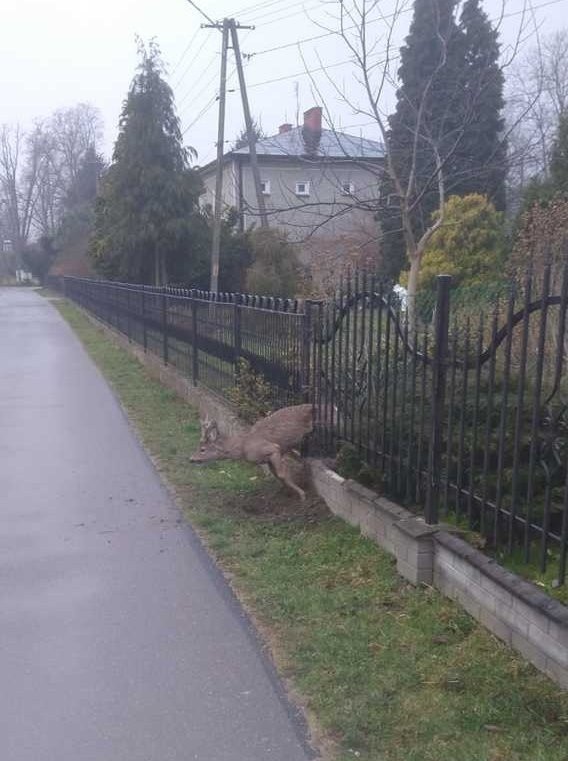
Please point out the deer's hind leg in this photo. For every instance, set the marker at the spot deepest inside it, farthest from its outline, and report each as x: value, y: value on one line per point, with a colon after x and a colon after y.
x: 279, y: 468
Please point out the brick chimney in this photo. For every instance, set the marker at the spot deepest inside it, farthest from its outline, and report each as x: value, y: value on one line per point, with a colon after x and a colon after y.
x: 284, y: 128
x: 312, y: 119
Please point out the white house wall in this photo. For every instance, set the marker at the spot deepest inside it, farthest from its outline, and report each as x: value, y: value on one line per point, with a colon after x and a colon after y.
x: 230, y: 187
x: 326, y: 212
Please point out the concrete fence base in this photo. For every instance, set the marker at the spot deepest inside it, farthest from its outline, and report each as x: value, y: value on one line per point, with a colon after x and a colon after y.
x: 514, y: 610
x: 511, y: 608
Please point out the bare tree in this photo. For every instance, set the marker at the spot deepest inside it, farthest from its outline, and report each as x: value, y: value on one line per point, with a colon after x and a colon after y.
x: 537, y: 96
x: 38, y: 168
x: 74, y: 131
x: 19, y: 173
x: 374, y: 79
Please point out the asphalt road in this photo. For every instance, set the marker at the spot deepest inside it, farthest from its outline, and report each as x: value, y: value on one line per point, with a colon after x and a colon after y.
x: 119, y: 640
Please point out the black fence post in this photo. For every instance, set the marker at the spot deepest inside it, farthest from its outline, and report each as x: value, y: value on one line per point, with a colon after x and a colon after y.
x: 237, y: 339
x: 143, y: 316
x: 128, y: 326
x: 165, y: 326
x: 439, y: 360
x: 194, y: 339
x: 306, y: 353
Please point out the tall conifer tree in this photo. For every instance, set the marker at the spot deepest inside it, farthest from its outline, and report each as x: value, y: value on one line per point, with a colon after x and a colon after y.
x: 143, y: 213
x: 449, y: 108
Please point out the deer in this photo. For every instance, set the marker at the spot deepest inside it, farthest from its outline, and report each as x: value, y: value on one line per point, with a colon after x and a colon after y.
x: 267, y: 442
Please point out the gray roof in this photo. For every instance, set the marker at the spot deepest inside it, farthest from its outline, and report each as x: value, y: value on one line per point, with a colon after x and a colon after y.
x: 331, y: 144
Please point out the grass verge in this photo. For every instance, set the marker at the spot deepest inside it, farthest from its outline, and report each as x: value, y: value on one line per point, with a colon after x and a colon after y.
x: 389, y: 671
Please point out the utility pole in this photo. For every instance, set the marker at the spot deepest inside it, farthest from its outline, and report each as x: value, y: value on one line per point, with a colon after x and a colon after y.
x: 230, y: 27
x: 216, y: 246
x: 249, y: 126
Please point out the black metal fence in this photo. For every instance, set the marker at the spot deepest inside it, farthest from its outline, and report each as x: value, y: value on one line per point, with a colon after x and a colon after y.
x: 460, y: 411
x: 464, y: 415
x: 204, y: 335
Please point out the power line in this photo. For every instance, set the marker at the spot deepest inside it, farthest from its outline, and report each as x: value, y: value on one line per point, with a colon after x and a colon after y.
x: 204, y: 87
x: 209, y: 102
x: 280, y: 9
x: 197, y: 8
x: 303, y: 73
x: 193, y: 60
x: 287, y: 15
x: 202, y: 113
x: 257, y: 6
x: 316, y: 37
x: 185, y: 52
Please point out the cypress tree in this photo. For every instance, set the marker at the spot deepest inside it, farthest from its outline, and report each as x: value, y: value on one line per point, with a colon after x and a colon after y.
x: 143, y: 213
x: 480, y: 163
x: 430, y: 80
x: 451, y: 71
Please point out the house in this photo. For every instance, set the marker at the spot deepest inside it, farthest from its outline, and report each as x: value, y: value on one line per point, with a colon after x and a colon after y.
x: 315, y: 184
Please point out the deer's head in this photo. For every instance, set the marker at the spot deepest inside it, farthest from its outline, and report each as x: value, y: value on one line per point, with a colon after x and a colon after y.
x: 211, y: 445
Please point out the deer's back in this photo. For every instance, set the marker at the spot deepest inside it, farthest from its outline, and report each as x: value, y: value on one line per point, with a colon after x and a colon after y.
x: 286, y: 427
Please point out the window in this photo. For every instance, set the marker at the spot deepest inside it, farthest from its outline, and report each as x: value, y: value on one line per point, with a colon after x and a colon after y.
x: 302, y: 188
x: 265, y: 187
x: 347, y: 188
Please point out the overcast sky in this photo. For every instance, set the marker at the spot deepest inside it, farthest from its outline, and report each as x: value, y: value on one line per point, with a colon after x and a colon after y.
x: 59, y: 52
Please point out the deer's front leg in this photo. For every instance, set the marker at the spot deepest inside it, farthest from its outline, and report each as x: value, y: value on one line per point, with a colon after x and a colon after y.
x: 278, y: 466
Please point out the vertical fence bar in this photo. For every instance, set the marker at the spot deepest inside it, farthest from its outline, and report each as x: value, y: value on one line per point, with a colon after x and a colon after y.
x: 394, y: 400
x: 378, y: 428
x: 237, y: 337
x: 488, y: 421
x: 333, y: 421
x: 386, y: 366
x: 475, y: 422
x: 422, y: 424
x: 412, y: 343
x: 355, y: 438
x: 306, y: 353
x: 404, y: 393
x: 194, y: 340
x: 536, y: 410
x: 463, y: 414
x: 348, y: 386
x: 503, y: 420
x: 364, y: 358
x: 439, y: 386
x: 370, y: 359
x: 451, y: 414
x: 165, y: 327
x: 340, y: 374
x: 318, y: 354
x: 519, y: 416
x: 144, y: 327
x: 564, y: 530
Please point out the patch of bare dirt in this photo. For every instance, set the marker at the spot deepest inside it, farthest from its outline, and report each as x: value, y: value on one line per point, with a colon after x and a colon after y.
x: 277, y: 505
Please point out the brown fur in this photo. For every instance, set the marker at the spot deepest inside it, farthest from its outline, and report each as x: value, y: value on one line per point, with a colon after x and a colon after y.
x: 266, y: 442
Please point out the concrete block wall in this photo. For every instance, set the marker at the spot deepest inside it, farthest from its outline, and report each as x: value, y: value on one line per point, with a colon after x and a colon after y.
x: 392, y: 527
x: 513, y: 609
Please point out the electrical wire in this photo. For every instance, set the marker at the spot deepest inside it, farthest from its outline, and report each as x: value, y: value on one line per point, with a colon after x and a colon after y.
x: 201, y: 114
x: 287, y: 45
x: 193, y: 60
x: 208, y: 83
x: 197, y: 8
x: 185, y: 52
